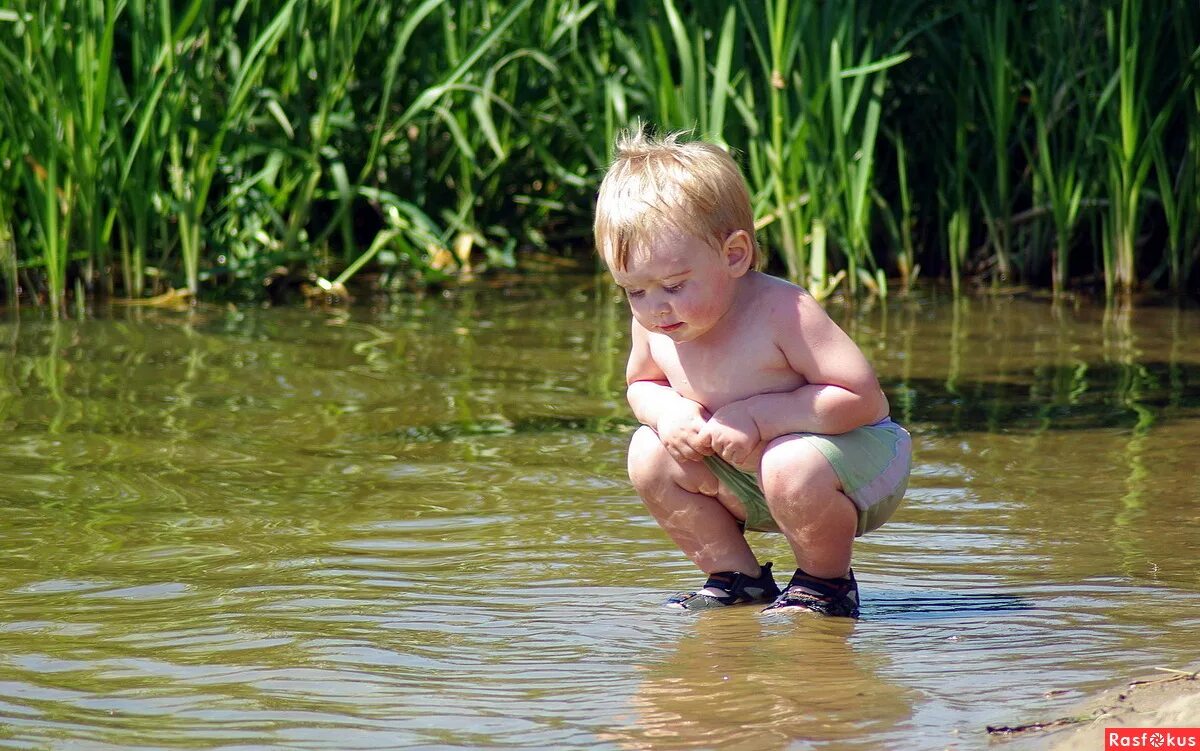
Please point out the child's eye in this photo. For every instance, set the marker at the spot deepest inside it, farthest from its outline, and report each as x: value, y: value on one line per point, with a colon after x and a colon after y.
x: 634, y: 293
x: 673, y: 288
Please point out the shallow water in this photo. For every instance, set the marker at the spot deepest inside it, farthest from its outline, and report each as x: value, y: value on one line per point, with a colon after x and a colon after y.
x: 409, y: 527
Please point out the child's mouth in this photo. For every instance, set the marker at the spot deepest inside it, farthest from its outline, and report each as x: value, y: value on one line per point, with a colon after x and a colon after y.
x: 669, y: 329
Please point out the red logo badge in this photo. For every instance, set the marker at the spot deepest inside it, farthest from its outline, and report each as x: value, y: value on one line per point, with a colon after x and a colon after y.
x: 1116, y: 739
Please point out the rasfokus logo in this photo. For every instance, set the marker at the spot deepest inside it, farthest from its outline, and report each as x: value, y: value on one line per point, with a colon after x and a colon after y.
x: 1151, y: 738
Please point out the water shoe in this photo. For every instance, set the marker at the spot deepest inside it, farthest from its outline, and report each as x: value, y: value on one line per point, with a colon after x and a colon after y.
x: 736, y: 586
x: 804, y: 593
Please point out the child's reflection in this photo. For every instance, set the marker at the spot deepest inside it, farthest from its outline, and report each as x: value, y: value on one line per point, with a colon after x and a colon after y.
x: 740, y: 680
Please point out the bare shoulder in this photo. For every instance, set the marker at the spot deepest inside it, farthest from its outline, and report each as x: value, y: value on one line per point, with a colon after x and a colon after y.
x: 788, y: 307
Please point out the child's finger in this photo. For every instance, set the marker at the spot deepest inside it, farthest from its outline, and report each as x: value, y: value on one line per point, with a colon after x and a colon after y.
x: 676, y: 454
x: 733, y: 453
x: 682, y: 452
x: 729, y: 454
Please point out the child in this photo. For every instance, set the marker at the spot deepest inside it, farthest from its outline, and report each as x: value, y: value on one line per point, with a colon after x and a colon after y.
x: 758, y: 411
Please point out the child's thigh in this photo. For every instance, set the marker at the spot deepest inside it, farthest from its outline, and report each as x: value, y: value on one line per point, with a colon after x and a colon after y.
x: 790, y: 465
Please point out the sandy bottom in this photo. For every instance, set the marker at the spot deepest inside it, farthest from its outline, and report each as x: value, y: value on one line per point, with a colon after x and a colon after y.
x: 1168, y: 698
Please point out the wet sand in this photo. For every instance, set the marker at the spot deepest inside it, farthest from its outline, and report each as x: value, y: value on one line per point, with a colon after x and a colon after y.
x: 1168, y: 697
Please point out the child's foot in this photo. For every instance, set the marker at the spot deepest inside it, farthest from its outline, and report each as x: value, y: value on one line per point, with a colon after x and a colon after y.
x: 728, y: 588
x: 836, y: 597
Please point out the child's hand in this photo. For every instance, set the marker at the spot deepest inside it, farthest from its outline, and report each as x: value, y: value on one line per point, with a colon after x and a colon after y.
x: 681, y: 432
x: 732, y: 433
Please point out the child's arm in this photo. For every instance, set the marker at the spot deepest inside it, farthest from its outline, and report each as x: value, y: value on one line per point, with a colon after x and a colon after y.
x: 841, y: 393
x: 678, y: 420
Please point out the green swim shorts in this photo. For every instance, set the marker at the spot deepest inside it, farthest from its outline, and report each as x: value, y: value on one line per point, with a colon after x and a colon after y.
x: 873, y: 463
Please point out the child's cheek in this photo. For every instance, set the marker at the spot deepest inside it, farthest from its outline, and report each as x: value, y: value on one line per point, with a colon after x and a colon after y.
x: 639, y: 312
x: 691, y: 306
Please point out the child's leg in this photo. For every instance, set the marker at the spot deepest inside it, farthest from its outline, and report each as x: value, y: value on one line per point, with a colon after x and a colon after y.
x: 688, y: 502
x: 806, y: 499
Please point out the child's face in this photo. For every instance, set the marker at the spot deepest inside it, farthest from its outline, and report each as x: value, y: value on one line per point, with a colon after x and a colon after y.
x: 680, y: 286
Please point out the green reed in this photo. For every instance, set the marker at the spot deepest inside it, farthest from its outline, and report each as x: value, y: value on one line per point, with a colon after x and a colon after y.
x: 669, y: 63
x: 900, y: 229
x: 1130, y: 155
x: 1065, y: 119
x: 318, y: 104
x: 49, y: 109
x: 197, y: 150
x: 953, y: 194
x: 8, y: 188
x: 492, y: 124
x: 1179, y: 184
x: 1061, y: 124
x: 995, y: 83
x: 824, y: 82
x: 149, y: 144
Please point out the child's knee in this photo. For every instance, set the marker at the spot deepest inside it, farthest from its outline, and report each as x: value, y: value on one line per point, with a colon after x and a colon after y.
x: 648, y: 458
x: 652, y: 469
x: 792, y: 466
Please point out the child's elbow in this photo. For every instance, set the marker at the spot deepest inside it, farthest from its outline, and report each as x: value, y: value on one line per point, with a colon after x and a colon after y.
x: 876, y: 405
x: 867, y: 406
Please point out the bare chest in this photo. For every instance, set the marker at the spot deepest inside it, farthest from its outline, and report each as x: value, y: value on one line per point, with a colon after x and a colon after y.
x: 715, y: 376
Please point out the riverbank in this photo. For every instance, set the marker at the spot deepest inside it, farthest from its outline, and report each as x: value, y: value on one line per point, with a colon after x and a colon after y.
x: 1168, y: 697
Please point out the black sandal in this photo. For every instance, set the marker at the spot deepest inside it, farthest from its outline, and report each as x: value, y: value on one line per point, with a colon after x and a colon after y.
x: 835, y: 597
x: 737, y: 588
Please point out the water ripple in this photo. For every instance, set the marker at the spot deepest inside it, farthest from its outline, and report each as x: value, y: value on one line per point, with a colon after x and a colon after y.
x: 354, y: 530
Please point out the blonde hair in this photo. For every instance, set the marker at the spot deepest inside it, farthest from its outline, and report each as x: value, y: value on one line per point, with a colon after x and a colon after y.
x: 653, y: 185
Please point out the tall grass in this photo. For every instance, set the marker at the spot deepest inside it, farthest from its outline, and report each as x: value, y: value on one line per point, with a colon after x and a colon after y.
x: 823, y: 81
x: 215, y: 147
x: 1130, y: 147
x: 9, y: 185
x: 1057, y: 114
x: 988, y: 29
x: 1061, y: 124
x: 50, y: 111
x: 1179, y: 183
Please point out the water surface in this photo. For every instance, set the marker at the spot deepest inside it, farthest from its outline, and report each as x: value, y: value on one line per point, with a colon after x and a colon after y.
x: 407, y: 526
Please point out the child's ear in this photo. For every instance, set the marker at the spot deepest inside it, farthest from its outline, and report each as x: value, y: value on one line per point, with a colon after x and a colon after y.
x: 738, y: 250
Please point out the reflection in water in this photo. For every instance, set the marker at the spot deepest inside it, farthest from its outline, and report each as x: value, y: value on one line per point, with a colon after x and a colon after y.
x: 409, y: 526
x: 739, y: 681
